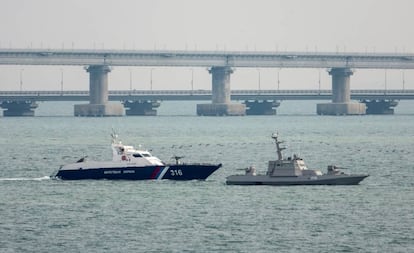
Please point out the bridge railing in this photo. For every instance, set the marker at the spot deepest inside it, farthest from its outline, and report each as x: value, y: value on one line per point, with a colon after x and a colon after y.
x: 383, y: 91
x: 44, y: 93
x: 159, y: 92
x: 282, y: 92
x: 202, y: 92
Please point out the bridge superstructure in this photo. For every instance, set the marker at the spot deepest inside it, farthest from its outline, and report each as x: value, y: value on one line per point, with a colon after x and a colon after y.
x: 247, y: 96
x: 221, y: 65
x: 199, y: 95
x: 237, y: 59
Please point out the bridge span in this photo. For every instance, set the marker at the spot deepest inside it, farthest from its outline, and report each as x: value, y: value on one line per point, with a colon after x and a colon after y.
x: 258, y: 101
x: 179, y: 58
x: 221, y: 65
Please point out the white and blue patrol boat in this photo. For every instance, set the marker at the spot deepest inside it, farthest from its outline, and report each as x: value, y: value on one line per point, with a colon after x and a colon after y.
x: 129, y: 163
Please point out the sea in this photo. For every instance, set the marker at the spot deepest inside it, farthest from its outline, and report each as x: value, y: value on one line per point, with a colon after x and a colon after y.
x: 42, y: 214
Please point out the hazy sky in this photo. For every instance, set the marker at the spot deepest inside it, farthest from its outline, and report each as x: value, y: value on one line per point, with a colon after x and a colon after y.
x: 261, y: 25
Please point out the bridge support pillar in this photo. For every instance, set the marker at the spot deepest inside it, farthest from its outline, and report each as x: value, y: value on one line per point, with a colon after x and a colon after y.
x: 221, y: 103
x: 141, y: 107
x: 261, y: 107
x: 18, y: 108
x: 98, y: 95
x: 380, y: 106
x: 341, y: 96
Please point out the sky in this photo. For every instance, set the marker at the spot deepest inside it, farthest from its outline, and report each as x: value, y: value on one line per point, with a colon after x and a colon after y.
x: 227, y: 25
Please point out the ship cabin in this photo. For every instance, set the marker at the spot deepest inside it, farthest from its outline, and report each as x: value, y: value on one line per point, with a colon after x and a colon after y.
x: 124, y: 153
x: 290, y: 167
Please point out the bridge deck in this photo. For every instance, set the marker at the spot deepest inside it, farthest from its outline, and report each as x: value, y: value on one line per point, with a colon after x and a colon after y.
x: 122, y: 95
x: 173, y: 58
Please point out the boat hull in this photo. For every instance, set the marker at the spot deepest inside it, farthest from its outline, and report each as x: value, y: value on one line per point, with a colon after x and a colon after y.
x: 286, y: 181
x: 171, y: 172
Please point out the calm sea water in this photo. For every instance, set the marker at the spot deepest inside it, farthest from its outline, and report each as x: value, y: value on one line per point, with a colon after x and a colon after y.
x: 38, y: 214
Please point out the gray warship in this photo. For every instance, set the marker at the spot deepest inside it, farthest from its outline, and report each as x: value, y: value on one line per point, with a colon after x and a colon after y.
x: 293, y: 171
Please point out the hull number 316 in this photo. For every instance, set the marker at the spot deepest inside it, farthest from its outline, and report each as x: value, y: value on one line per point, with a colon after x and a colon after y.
x: 176, y: 172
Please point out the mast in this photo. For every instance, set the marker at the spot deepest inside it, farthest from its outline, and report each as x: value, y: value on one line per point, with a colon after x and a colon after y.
x: 278, y: 148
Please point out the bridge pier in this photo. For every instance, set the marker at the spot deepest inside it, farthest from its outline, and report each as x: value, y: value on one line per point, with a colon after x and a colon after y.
x: 264, y: 107
x: 141, y: 107
x: 341, y: 96
x: 98, y: 95
x: 221, y: 103
x: 380, y: 106
x: 18, y: 108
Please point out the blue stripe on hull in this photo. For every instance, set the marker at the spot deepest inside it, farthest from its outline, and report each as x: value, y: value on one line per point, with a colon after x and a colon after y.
x: 129, y: 173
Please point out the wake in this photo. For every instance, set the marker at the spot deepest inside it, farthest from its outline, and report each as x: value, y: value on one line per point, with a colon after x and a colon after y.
x: 26, y: 178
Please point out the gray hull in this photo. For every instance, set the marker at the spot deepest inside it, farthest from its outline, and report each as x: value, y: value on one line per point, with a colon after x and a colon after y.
x: 300, y: 180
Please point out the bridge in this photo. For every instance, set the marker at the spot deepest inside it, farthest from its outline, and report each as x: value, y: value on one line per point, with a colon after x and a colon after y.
x: 199, y: 95
x: 250, y: 97
x: 221, y: 64
x: 237, y: 59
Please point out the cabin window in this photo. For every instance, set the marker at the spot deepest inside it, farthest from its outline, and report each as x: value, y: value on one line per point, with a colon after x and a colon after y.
x: 136, y: 155
x: 146, y: 155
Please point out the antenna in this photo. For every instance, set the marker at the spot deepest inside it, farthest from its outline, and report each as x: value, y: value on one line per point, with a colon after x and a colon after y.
x: 278, y: 148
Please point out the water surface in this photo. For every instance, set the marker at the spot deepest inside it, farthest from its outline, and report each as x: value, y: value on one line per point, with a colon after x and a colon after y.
x: 43, y: 215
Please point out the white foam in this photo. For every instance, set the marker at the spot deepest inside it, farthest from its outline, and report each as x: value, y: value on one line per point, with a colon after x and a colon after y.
x: 25, y: 178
